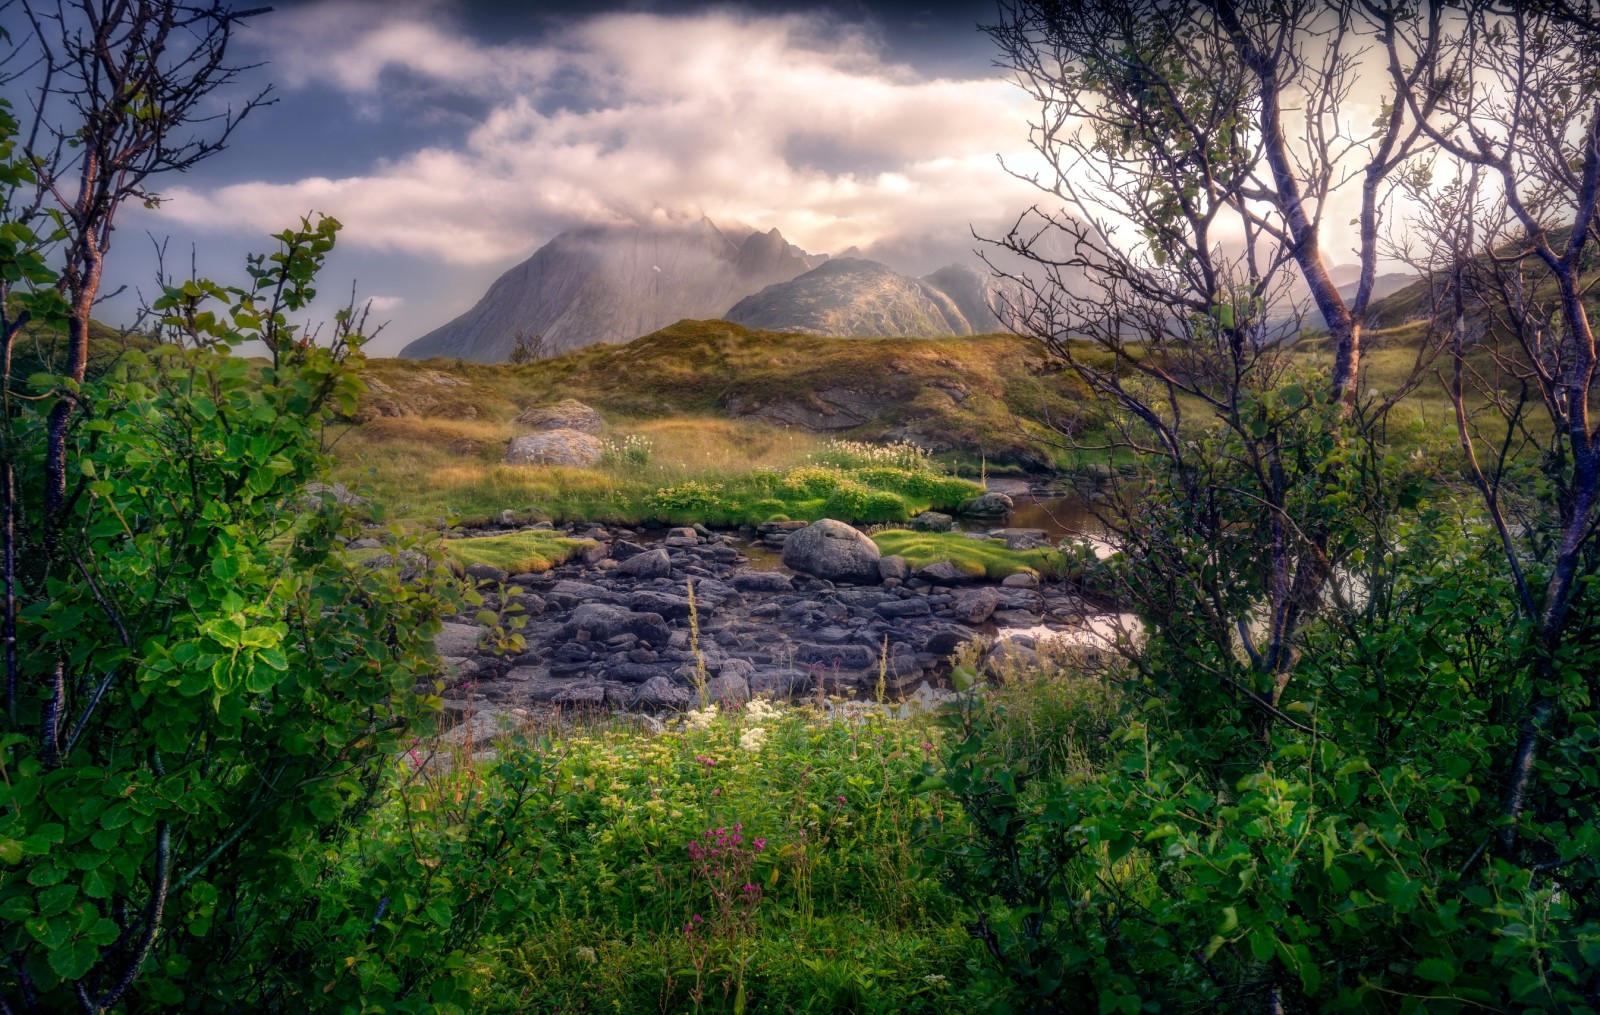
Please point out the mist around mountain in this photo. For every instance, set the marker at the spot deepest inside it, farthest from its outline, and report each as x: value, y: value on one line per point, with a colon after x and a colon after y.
x: 615, y: 283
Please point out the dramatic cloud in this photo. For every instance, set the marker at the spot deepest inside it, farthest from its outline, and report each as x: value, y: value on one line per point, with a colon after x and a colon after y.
x: 794, y: 121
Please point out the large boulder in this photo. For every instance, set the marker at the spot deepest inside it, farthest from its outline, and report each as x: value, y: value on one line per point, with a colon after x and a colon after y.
x: 988, y: 505
x: 650, y: 564
x: 567, y: 414
x: 833, y: 550
x: 554, y: 447
x: 932, y: 521
x: 603, y: 621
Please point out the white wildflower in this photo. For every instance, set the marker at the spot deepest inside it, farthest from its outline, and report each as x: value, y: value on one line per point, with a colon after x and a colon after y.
x: 752, y: 739
x: 700, y: 718
x: 759, y: 710
x: 585, y: 953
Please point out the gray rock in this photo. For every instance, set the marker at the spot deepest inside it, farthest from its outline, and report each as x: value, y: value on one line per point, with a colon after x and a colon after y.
x: 780, y: 682
x: 604, y: 621
x: 988, y: 505
x: 667, y: 605
x: 508, y: 517
x: 932, y: 521
x: 365, y: 543
x: 729, y: 687
x: 567, y: 414
x: 532, y: 605
x: 661, y: 692
x: 554, y: 447
x: 486, y: 572
x: 846, y: 657
x: 1022, y: 539
x: 762, y: 581
x: 622, y: 549
x: 650, y: 564
x: 833, y: 550
x: 942, y: 572
x: 894, y: 609
x: 570, y: 593
x: 315, y: 492
x: 974, y: 606
x: 1020, y: 580
x: 946, y: 640
x: 594, y: 553
x: 457, y: 639
x: 581, y: 694
x: 638, y: 673
x: 893, y: 567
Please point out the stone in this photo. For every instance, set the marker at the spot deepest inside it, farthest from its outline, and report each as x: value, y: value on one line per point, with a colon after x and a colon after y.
x: 661, y: 692
x: 942, y: 572
x: 570, y: 593
x: 893, y: 568
x: 457, y: 639
x: 1021, y: 580
x: 974, y: 606
x: 731, y: 688
x: 833, y: 551
x: 650, y: 564
x: 602, y: 621
x: 554, y: 447
x: 932, y: 521
x: 946, y: 640
x: 896, y: 609
x: 777, y: 681
x: 487, y: 572
x: 365, y: 543
x: 762, y: 581
x: 508, y: 518
x: 532, y: 605
x: 638, y: 673
x: 988, y: 505
x: 567, y: 414
x: 622, y: 549
x: 1022, y: 539
x: 846, y: 657
x: 581, y: 695
x: 312, y: 498
x: 667, y: 605
x: 594, y: 553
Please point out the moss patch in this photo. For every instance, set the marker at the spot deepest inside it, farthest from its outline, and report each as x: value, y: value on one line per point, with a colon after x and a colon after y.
x: 517, y: 553
x: 988, y: 558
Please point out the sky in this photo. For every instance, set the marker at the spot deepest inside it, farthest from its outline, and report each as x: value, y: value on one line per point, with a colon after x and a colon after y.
x: 455, y: 137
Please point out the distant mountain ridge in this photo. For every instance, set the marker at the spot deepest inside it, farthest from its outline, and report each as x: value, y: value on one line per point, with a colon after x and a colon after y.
x: 853, y: 297
x: 613, y: 284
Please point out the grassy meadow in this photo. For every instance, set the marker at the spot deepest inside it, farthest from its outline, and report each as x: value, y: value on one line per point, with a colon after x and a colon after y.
x: 764, y: 858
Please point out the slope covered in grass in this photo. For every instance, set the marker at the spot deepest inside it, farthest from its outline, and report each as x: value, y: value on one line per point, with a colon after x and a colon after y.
x: 979, y: 395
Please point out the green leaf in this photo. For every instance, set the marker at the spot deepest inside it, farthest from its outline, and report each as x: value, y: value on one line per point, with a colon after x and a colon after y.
x: 73, y: 961
x: 1436, y: 970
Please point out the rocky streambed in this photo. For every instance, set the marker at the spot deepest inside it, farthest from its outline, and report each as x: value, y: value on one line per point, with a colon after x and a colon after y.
x: 613, y: 627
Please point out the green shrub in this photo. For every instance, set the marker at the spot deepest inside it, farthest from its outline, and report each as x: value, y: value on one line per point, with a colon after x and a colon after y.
x: 230, y: 683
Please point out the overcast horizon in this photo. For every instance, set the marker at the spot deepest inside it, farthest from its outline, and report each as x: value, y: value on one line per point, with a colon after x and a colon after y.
x: 453, y: 139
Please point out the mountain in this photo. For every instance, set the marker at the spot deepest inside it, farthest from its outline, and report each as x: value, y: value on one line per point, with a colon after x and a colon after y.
x: 613, y: 284
x: 852, y: 297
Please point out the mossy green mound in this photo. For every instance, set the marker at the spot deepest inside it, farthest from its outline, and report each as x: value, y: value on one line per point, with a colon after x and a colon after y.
x: 516, y: 553
x: 980, y: 558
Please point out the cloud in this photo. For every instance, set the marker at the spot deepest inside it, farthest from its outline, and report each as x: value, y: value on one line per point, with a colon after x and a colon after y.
x: 384, y: 304
x: 795, y: 121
